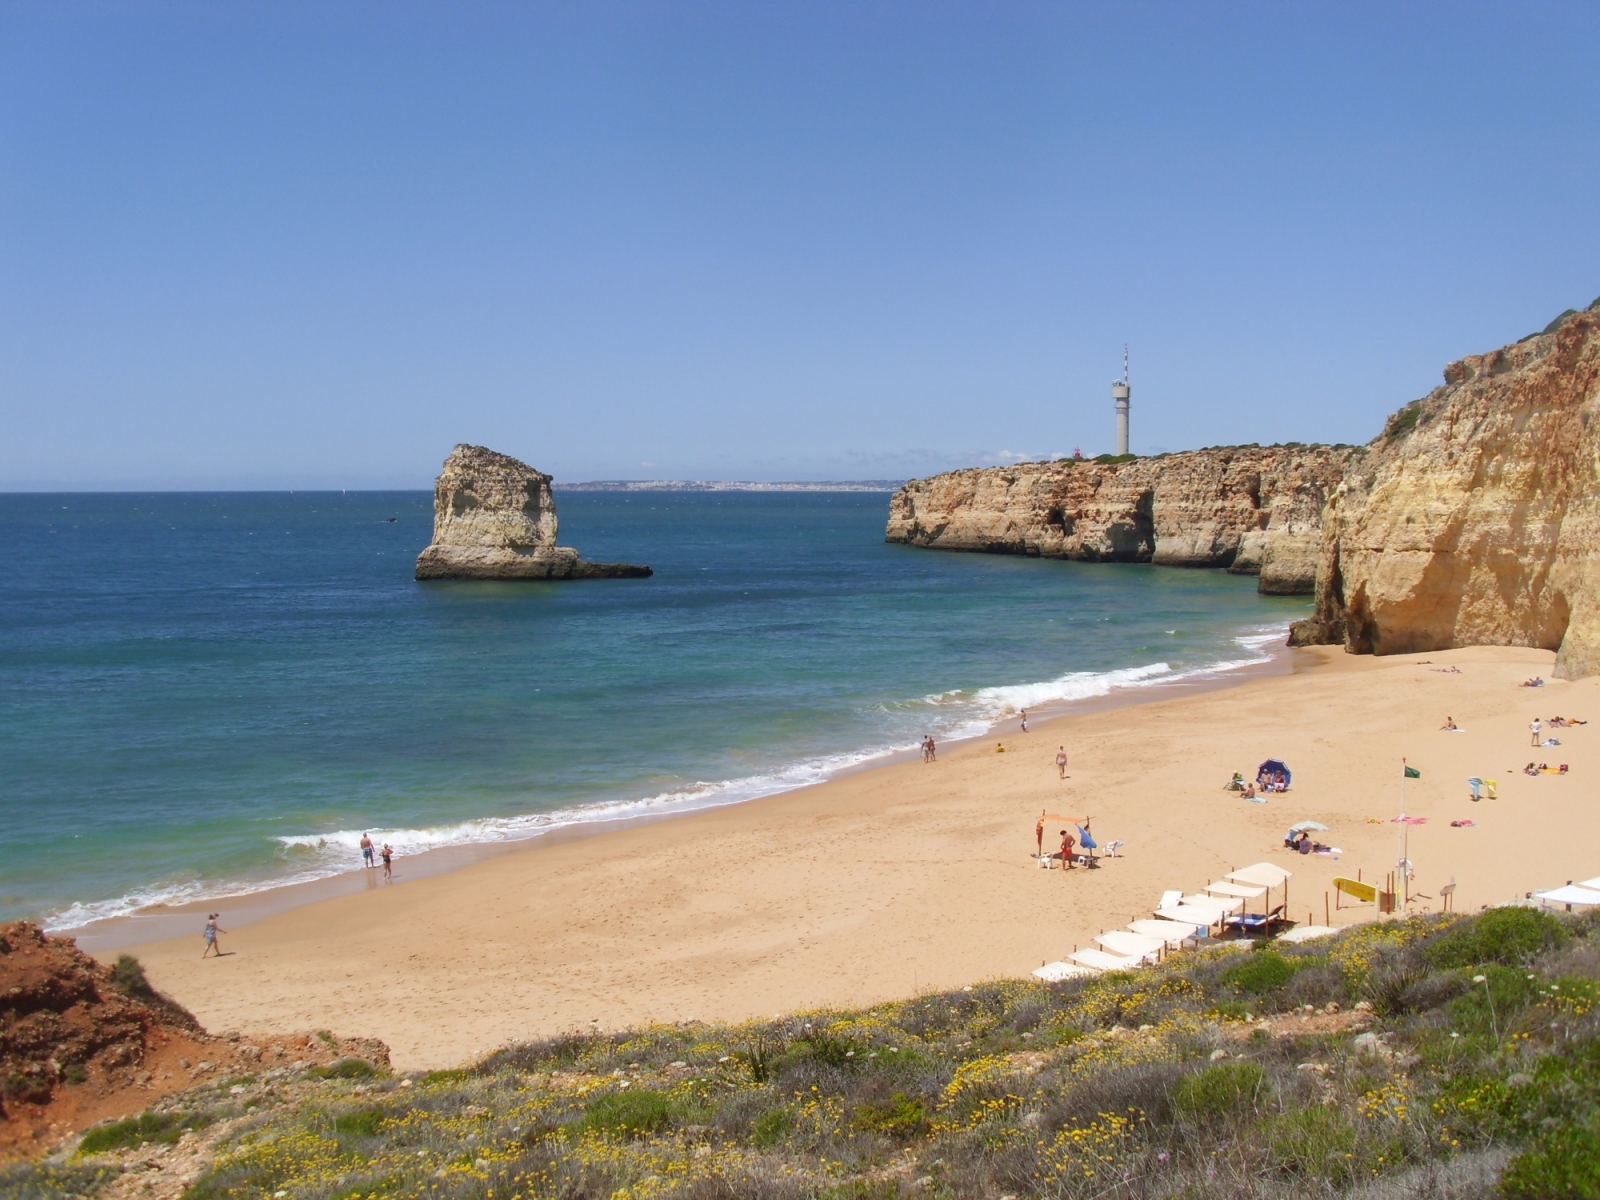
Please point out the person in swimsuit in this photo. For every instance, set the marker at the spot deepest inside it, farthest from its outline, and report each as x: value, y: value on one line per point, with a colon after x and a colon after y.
x: 1061, y: 762
x: 366, y: 851
x: 1533, y: 728
x: 1067, y: 842
x: 388, y: 861
x: 1024, y: 720
x: 210, y: 935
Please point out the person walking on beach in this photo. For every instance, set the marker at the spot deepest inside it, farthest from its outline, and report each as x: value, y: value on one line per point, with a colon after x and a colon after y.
x: 210, y: 935
x: 388, y: 861
x: 933, y: 750
x: 1534, y: 728
x: 1024, y: 720
x: 1061, y: 762
x: 366, y: 851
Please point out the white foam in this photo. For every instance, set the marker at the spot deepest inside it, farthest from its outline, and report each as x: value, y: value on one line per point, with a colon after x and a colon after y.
x: 952, y: 716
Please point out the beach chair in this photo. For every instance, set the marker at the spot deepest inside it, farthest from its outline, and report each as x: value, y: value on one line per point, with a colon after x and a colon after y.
x: 1168, y: 899
x: 1112, y: 848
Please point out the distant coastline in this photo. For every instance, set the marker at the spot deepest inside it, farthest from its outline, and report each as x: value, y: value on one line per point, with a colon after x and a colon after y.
x: 718, y: 485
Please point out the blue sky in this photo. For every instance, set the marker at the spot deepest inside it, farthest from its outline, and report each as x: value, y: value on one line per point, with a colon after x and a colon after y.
x: 283, y: 245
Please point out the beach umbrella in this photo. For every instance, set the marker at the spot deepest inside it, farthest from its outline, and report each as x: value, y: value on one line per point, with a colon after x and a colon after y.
x: 1084, y: 840
x: 1275, y: 765
x: 1307, y: 826
x: 1038, y: 830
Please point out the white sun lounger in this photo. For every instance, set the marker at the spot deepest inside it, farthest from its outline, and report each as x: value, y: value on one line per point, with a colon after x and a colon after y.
x: 1101, y: 961
x: 1135, y: 945
x: 1239, y: 891
x: 1168, y: 899
x: 1268, y: 875
x: 1306, y: 933
x: 1174, y: 933
x: 1057, y: 971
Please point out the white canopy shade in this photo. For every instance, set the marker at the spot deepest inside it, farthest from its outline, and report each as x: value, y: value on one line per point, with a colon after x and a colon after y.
x: 1265, y: 873
x: 1571, y: 894
x: 1225, y: 903
x: 1188, y: 914
x: 1174, y: 933
x: 1590, y: 883
x: 1057, y: 971
x: 1306, y: 932
x: 1137, y: 945
x: 1235, y: 889
x: 1101, y: 961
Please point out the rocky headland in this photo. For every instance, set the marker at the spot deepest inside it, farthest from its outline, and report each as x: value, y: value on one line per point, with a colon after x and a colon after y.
x: 1474, y: 517
x: 494, y: 518
x: 1255, y: 510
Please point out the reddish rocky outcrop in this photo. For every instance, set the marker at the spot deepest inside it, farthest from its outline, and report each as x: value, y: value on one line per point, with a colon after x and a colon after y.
x: 1474, y: 518
x: 495, y: 518
x: 1255, y: 510
x: 81, y: 1041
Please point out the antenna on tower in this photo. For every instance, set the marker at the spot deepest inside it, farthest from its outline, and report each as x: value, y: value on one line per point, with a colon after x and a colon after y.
x: 1124, y: 362
x: 1120, y: 393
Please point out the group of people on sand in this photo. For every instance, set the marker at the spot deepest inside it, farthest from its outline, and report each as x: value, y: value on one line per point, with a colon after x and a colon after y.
x: 929, y: 750
x: 1300, y: 841
x: 387, y: 854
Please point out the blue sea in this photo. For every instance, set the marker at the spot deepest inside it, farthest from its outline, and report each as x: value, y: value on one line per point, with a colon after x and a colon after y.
x: 209, y: 694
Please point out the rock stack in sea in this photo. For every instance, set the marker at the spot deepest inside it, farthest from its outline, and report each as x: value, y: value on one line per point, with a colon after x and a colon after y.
x: 495, y: 518
x: 1255, y: 510
x: 1474, y: 518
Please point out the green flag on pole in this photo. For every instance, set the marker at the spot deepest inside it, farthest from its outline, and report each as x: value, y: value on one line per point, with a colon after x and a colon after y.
x: 1413, y: 773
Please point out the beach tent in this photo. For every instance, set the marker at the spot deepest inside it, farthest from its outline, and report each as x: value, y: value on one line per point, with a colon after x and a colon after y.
x: 1275, y: 766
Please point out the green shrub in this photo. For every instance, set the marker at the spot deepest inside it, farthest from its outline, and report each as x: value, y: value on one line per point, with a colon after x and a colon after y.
x: 127, y: 976
x: 770, y: 1128
x: 1222, y: 1090
x: 627, y: 1114
x: 900, y: 1116
x: 1260, y: 973
x: 345, y: 1068
x: 1501, y: 935
x: 136, y: 1131
x: 46, y: 1181
x: 360, y: 1124
x: 1564, y: 1162
x: 1404, y: 421
x: 1316, y: 1142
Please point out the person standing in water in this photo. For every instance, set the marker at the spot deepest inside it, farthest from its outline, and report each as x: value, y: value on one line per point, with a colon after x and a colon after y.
x: 366, y: 851
x: 1061, y: 762
x: 210, y: 935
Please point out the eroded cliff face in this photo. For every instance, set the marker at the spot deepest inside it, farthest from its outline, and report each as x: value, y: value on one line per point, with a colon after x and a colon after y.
x: 1474, y: 518
x: 495, y: 518
x: 1254, y: 510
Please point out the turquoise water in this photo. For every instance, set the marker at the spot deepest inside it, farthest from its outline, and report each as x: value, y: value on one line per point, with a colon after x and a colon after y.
x: 207, y: 693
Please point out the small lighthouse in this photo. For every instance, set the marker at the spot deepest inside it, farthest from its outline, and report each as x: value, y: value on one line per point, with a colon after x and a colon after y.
x: 1119, y: 395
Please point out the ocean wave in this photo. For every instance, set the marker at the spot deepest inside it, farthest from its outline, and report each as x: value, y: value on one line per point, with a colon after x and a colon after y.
x: 952, y: 716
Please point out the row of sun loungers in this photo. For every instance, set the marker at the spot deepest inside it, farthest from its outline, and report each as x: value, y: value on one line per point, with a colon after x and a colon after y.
x: 1178, y: 920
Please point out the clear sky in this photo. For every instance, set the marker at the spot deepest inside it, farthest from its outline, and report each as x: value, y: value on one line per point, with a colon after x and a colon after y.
x: 298, y: 245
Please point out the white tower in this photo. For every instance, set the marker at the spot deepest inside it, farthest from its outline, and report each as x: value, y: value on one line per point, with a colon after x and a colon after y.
x: 1119, y: 394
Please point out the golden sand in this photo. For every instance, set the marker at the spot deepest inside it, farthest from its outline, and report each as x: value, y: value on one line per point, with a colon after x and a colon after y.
x: 911, y: 876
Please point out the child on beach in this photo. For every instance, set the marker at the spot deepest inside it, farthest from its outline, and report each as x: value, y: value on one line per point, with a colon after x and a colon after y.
x: 210, y: 935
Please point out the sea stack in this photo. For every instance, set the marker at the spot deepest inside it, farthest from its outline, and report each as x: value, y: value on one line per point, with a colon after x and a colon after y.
x: 494, y: 518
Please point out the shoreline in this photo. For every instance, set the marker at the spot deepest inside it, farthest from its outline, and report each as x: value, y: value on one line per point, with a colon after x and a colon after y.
x: 909, y: 876
x: 159, y: 922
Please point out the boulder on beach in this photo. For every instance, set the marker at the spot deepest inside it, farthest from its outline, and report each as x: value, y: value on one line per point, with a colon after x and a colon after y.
x: 495, y: 518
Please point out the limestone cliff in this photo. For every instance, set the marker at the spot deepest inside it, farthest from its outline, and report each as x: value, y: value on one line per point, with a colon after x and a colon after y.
x: 1474, y: 518
x: 494, y: 518
x: 1255, y: 510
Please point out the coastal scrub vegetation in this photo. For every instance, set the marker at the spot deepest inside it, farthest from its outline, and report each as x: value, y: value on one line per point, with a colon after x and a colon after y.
x: 1432, y: 1057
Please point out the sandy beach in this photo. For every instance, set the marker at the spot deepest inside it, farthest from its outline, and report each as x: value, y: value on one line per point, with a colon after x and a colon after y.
x: 913, y: 876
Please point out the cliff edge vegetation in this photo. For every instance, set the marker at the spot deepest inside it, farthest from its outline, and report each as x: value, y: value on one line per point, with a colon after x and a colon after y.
x: 1474, y: 518
x: 1427, y: 1058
